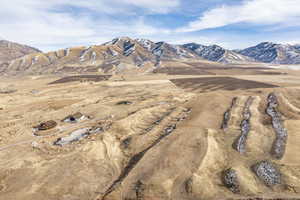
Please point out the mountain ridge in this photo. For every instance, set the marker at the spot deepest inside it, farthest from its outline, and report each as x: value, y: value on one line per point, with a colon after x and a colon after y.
x: 142, y: 55
x: 12, y: 50
x: 269, y: 52
x: 217, y: 53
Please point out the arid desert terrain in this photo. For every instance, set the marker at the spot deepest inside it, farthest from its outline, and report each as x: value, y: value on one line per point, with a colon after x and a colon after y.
x: 209, y: 134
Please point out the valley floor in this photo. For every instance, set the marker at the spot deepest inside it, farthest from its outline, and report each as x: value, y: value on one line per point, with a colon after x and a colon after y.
x: 157, y: 137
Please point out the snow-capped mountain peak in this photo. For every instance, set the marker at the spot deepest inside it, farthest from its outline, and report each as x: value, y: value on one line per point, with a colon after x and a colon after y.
x: 270, y: 52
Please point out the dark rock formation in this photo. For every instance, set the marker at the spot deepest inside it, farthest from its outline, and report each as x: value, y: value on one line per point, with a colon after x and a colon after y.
x: 128, y: 48
x: 279, y: 144
x: 227, y: 114
x: 74, y: 118
x: 157, y: 122
x: 170, y: 129
x: 139, y: 189
x: 230, y: 180
x: 126, y: 142
x: 46, y: 125
x: 124, y: 103
x: 240, y: 143
x: 81, y: 78
x: 188, y: 185
x: 267, y: 173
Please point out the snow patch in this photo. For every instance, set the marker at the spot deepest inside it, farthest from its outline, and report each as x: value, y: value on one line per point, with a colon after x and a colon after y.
x: 145, y: 43
x: 34, y: 60
x: 83, y: 54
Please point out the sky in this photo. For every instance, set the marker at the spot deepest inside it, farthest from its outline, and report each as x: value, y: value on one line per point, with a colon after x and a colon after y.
x: 234, y: 24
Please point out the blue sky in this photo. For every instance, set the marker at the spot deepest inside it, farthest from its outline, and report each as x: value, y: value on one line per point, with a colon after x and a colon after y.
x: 55, y: 24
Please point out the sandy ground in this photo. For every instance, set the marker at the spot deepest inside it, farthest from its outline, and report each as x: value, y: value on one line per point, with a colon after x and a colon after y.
x: 165, y: 144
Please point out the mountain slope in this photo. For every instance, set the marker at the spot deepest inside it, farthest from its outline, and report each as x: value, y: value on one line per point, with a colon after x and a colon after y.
x: 165, y: 51
x: 10, y: 50
x: 120, y: 54
x: 269, y: 52
x: 217, y: 53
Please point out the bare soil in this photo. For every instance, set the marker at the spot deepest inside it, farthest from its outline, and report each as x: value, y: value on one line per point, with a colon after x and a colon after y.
x: 84, y: 78
x: 167, y: 143
x: 219, y: 83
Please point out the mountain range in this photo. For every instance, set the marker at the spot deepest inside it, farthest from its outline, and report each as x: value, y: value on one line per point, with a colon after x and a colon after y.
x: 125, y: 53
x: 269, y: 52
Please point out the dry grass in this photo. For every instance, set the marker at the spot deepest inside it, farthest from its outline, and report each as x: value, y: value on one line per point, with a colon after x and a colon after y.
x: 184, y: 164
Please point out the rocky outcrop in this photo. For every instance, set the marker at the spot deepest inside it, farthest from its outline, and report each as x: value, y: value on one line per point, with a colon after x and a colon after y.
x: 227, y: 114
x: 240, y: 143
x: 267, y: 173
x: 217, y: 53
x: 128, y: 48
x: 45, y: 125
x: 74, y: 118
x: 279, y: 144
x: 124, y: 103
x: 230, y: 180
x: 269, y: 52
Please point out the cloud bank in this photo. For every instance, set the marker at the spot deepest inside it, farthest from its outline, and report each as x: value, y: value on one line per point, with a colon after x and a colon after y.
x: 259, y: 12
x: 60, y: 23
x: 54, y: 24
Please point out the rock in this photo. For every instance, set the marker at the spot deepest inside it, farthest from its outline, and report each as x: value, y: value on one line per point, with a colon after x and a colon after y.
x: 279, y: 144
x: 77, y: 135
x: 35, y: 145
x: 34, y: 91
x: 124, y: 103
x: 7, y: 90
x: 230, y: 180
x: 129, y: 48
x: 139, y: 190
x: 126, y: 142
x: 170, y: 129
x: 46, y: 125
x: 240, y: 143
x: 227, y: 114
x: 188, y: 185
x: 75, y: 118
x: 267, y: 173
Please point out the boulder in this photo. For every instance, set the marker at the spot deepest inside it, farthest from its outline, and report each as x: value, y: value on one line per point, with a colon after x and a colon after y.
x: 46, y: 125
x: 230, y: 180
x: 267, y: 172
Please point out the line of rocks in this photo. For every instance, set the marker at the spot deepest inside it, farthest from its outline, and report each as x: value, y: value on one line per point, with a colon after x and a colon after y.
x: 133, y: 161
x: 157, y: 122
x: 240, y: 143
x: 278, y: 148
x: 227, y: 114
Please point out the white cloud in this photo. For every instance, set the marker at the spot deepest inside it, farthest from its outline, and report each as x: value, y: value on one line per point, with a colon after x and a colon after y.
x: 117, y: 6
x: 160, y: 6
x: 262, y: 12
x: 48, y: 25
